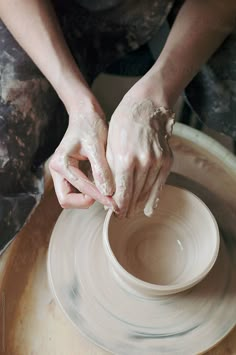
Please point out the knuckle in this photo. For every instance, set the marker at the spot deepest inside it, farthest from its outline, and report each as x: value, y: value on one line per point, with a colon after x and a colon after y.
x: 53, y: 163
x: 159, y: 156
x: 63, y: 202
x: 89, y: 204
x: 146, y: 159
x: 64, y: 206
x: 127, y: 161
x: 57, y: 160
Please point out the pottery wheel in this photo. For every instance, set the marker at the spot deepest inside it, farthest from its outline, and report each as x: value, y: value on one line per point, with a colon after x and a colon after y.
x: 122, y: 323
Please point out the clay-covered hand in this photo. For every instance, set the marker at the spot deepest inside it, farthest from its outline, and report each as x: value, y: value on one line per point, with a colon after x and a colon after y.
x: 85, y: 139
x: 139, y: 154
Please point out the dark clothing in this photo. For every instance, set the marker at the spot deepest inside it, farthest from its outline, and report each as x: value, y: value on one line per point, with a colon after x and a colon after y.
x: 33, y: 120
x: 212, y: 93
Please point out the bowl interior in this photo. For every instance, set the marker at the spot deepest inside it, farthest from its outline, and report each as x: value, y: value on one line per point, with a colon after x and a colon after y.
x: 177, y: 245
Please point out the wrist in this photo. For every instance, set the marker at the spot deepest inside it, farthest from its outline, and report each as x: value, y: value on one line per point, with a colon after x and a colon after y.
x: 84, y: 106
x: 71, y: 86
x: 74, y: 93
x: 152, y: 86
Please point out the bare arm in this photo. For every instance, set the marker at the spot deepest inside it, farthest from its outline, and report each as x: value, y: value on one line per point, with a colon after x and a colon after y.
x: 199, y: 29
x: 34, y: 25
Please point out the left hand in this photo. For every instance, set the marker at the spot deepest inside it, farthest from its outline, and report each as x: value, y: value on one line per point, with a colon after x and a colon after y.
x: 84, y: 140
x: 138, y: 153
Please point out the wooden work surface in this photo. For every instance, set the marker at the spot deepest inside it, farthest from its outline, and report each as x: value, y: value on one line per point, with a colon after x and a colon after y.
x: 31, y: 321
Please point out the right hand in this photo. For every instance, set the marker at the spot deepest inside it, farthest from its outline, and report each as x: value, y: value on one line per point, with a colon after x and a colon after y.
x: 138, y: 152
x: 85, y: 139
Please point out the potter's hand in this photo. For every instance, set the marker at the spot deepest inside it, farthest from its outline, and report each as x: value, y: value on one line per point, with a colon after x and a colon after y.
x: 138, y: 154
x: 84, y: 139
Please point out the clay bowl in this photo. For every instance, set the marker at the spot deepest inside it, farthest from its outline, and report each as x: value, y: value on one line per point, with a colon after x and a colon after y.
x: 167, y: 253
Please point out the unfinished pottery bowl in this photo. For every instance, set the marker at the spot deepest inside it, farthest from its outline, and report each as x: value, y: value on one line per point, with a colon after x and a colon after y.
x: 83, y: 282
x: 167, y: 253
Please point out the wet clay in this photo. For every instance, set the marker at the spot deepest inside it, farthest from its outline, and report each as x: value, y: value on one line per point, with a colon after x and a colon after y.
x: 94, y: 292
x: 138, y: 154
x: 178, y: 244
x: 31, y: 309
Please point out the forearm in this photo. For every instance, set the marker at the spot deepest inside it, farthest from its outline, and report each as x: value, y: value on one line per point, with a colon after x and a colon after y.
x: 34, y: 25
x: 199, y: 29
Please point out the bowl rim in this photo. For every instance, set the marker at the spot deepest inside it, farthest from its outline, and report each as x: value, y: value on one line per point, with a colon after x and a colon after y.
x: 151, y: 287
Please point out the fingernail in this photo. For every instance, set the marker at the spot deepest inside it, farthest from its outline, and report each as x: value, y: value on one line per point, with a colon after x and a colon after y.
x: 110, y: 203
x: 116, y: 209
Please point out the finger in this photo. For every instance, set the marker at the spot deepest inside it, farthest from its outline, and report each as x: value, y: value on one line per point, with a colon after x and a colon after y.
x: 83, y: 184
x: 68, y: 169
x: 164, y: 160
x: 153, y: 199
x: 124, y: 191
x: 149, y: 182
x: 101, y: 171
x: 140, y: 176
x: 66, y: 195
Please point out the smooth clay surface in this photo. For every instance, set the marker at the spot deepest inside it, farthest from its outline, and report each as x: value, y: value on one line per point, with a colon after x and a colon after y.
x: 173, y: 249
x: 32, y: 321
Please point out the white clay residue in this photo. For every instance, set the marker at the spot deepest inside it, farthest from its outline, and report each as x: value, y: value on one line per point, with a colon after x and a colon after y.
x: 140, y: 134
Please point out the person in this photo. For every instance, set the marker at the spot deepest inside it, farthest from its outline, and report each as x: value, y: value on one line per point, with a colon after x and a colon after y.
x: 51, y: 51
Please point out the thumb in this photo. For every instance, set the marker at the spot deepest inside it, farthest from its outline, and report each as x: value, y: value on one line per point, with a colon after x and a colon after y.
x: 101, y: 171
